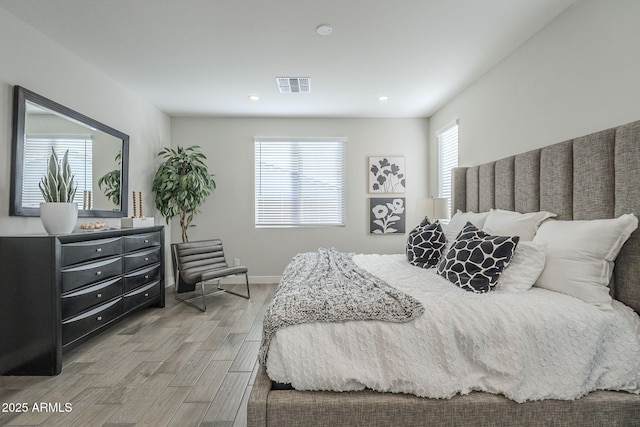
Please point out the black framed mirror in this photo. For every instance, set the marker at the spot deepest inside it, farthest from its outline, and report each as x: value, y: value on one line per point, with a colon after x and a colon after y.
x: 99, y: 157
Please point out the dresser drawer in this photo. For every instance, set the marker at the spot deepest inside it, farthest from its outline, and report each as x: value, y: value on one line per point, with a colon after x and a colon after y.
x: 84, y: 274
x: 140, y: 296
x: 140, y: 259
x: 73, y: 253
x: 91, y: 320
x: 82, y: 299
x: 141, y: 241
x: 140, y: 277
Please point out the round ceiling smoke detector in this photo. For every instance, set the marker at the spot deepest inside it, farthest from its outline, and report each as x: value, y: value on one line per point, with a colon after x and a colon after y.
x: 324, y: 29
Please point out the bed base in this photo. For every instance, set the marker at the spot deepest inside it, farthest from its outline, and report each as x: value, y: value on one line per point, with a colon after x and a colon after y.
x: 367, y: 408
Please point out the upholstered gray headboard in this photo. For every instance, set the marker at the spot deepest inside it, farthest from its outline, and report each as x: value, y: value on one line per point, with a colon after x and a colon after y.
x: 590, y: 177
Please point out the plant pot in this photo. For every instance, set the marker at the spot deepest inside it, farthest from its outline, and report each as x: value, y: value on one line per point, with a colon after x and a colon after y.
x: 58, y: 218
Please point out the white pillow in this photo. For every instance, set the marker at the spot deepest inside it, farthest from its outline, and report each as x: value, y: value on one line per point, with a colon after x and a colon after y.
x: 460, y: 219
x: 581, y: 254
x: 509, y: 223
x: 526, y: 265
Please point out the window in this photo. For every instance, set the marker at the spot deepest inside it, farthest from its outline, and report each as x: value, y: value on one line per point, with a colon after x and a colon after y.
x: 447, y: 159
x: 37, y: 150
x: 300, y: 182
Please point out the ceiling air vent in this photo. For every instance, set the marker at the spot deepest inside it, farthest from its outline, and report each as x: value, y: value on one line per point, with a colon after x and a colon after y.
x: 294, y: 84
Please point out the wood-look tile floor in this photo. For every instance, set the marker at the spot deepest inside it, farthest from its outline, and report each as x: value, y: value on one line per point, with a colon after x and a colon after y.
x: 174, y: 366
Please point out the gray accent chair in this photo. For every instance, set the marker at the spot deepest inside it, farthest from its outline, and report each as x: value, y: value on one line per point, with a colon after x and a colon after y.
x: 195, y: 263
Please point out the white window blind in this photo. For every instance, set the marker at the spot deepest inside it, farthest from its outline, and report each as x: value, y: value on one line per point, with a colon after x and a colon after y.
x: 37, y: 150
x: 299, y: 182
x: 447, y: 160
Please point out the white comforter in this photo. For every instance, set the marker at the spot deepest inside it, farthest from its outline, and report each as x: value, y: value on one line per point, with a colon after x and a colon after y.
x: 529, y: 345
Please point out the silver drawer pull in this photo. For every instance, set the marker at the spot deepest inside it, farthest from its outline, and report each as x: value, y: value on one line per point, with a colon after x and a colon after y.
x: 98, y: 273
x: 99, y: 296
x: 99, y: 318
x: 147, y: 294
x: 146, y: 240
x: 146, y: 258
x: 99, y: 250
x: 146, y: 276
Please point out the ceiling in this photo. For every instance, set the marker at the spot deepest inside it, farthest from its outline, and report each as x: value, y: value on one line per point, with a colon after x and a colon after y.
x: 205, y: 57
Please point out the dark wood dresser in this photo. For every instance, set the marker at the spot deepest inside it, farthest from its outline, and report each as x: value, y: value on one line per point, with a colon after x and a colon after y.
x: 59, y: 291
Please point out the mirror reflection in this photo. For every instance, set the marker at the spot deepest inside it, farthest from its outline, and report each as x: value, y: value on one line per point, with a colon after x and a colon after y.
x: 97, y: 155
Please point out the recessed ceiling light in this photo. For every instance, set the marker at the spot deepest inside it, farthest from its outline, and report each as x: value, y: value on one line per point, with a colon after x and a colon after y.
x: 383, y: 98
x: 254, y: 98
x: 324, y: 29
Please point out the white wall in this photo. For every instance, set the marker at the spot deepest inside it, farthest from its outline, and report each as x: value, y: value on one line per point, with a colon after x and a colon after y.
x: 33, y: 61
x: 228, y: 214
x: 578, y: 75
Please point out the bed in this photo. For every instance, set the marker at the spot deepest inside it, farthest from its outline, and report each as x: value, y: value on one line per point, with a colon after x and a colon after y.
x: 587, y: 178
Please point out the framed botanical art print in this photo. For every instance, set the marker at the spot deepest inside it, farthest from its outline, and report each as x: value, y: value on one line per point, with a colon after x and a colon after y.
x: 386, y: 174
x: 387, y: 215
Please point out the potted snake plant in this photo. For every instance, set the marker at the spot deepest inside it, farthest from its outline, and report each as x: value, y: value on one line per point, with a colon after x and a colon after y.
x: 58, y: 212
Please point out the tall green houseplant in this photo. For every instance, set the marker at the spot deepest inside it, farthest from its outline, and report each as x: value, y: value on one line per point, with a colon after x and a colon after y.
x: 181, y: 185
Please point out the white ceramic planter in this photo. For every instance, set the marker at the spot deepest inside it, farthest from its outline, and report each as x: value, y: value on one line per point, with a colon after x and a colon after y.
x: 58, y: 218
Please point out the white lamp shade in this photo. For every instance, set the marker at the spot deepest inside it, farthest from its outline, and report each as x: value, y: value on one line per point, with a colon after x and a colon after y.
x: 433, y: 208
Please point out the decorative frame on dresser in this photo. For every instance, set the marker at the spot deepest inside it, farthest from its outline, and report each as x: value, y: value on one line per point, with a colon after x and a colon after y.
x: 60, y: 290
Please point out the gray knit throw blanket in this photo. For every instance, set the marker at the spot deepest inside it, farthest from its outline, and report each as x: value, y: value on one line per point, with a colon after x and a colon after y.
x: 327, y: 286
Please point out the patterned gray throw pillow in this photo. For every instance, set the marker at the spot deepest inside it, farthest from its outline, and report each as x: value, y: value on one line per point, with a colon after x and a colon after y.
x: 476, y: 259
x: 425, y: 244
